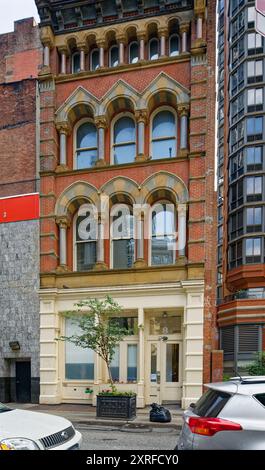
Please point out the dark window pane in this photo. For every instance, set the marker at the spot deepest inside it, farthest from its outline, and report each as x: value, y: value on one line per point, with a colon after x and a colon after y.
x: 211, y: 403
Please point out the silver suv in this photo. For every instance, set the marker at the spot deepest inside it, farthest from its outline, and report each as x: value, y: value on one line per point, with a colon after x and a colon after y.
x: 229, y: 416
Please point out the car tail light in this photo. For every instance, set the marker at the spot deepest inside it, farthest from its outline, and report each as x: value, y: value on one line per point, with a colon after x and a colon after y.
x: 210, y: 426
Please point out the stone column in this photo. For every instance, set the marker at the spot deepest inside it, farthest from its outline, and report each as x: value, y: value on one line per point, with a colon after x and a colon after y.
x: 47, y: 39
x: 141, y: 36
x: 46, y: 55
x: 184, y: 29
x: 121, y: 39
x: 141, y: 118
x: 63, y: 130
x: 82, y: 47
x: 140, y: 387
x: 163, y: 33
x: 200, y: 12
x: 63, y: 223
x: 183, y: 110
x: 63, y: 52
x: 101, y: 46
x: 101, y: 124
x: 139, y: 220
x: 199, y: 27
x: 100, y: 264
x: 182, y: 229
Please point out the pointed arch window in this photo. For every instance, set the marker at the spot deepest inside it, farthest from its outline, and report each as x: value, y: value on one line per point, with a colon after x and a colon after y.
x: 163, y: 228
x: 153, y: 49
x: 174, y: 45
x: 164, y: 138
x: 124, y: 140
x: 86, y: 152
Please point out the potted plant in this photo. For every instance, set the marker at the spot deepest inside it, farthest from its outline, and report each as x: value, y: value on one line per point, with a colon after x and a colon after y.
x: 101, y: 332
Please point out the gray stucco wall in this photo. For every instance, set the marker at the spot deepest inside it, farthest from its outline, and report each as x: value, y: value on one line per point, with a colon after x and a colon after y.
x: 19, y: 303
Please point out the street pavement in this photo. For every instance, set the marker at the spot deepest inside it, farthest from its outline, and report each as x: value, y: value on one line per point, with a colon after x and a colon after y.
x: 119, y: 438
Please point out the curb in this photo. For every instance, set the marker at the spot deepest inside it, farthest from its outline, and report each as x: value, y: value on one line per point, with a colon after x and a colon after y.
x: 129, y: 424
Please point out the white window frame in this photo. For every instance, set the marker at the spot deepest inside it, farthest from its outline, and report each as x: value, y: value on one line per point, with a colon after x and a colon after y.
x: 163, y: 201
x: 157, y: 111
x: 112, y: 47
x: 76, y: 127
x: 149, y: 48
x: 112, y: 143
x: 170, y: 39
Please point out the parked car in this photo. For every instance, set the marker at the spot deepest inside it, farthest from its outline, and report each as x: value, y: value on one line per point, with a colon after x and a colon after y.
x: 27, y: 430
x: 229, y: 416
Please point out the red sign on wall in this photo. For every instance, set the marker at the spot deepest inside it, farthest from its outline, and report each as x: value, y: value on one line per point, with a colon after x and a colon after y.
x: 18, y: 208
x: 260, y: 6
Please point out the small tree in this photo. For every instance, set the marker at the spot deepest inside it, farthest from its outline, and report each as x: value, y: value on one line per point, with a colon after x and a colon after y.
x: 99, y: 328
x: 258, y: 367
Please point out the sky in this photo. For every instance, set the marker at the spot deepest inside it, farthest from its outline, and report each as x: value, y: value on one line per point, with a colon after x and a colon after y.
x: 12, y: 10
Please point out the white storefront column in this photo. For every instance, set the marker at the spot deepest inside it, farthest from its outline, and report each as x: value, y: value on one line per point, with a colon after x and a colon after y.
x: 183, y: 111
x: 182, y: 229
x: 101, y: 124
x: 142, y: 360
x: 141, y: 119
x: 193, y: 342
x: 63, y: 223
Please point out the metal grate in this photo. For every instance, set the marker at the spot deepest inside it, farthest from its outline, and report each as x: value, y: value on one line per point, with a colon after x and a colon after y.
x: 58, y: 438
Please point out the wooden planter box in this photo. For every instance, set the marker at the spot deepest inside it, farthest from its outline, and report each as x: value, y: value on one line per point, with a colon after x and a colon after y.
x: 118, y: 407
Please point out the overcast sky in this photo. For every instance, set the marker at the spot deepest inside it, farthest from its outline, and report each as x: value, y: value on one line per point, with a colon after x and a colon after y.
x: 12, y: 10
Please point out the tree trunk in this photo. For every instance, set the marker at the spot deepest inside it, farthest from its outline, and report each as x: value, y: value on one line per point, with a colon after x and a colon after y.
x: 110, y: 375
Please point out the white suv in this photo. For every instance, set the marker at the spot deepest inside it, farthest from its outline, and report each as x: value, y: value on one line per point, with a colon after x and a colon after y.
x: 27, y: 430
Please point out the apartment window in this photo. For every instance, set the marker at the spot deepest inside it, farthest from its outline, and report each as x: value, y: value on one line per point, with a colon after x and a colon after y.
x: 255, y: 45
x: 236, y: 225
x: 220, y: 213
x: 85, y: 242
x: 153, y: 49
x: 86, y: 152
x: 255, y: 71
x: 236, y: 194
x: 237, y: 136
x: 122, y: 240
x: 134, y: 53
x: 164, y: 135
x: 254, y: 128
x: 238, y: 51
x: 254, y: 188
x: 124, y: 140
x: 254, y: 158
x: 94, y: 59
x: 174, y: 45
x: 255, y: 99
x: 251, y: 17
x: 163, y: 234
x: 237, y: 80
x: 238, y: 25
x: 237, y: 108
x: 236, y: 254
x: 114, y: 56
x: 253, y: 250
x: 76, y: 62
x: 254, y: 219
x: 236, y: 165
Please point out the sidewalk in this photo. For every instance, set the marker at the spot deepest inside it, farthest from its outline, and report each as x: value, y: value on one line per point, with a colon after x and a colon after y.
x: 86, y: 415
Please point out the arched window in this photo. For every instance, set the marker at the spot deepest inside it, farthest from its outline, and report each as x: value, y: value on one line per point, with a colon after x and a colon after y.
x: 86, y: 152
x: 114, y: 56
x: 85, y: 237
x: 76, y: 62
x: 163, y: 233
x: 122, y: 237
x: 164, y: 135
x: 94, y: 59
x: 124, y: 141
x: 153, y: 49
x: 173, y: 45
x: 134, y: 52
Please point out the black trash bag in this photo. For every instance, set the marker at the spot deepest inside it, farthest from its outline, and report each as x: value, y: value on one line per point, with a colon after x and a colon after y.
x: 159, y: 414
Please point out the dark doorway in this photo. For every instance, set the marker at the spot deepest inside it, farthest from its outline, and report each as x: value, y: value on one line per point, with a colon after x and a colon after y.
x: 23, y: 382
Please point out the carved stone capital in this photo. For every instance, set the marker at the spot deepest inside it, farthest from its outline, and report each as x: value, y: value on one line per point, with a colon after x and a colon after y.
x: 101, y: 122
x: 141, y: 35
x: 184, y: 27
x: 101, y: 43
x: 183, y: 109
x: 141, y: 115
x: 63, y: 128
x: 63, y: 221
x: 64, y: 50
x: 121, y: 37
x: 47, y: 36
x: 182, y: 209
x: 163, y: 31
x: 200, y: 8
x: 82, y: 45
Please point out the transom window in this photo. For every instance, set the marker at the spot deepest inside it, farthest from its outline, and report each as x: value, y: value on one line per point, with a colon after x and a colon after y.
x: 163, y: 234
x: 164, y: 135
x: 124, y: 140
x: 86, y: 154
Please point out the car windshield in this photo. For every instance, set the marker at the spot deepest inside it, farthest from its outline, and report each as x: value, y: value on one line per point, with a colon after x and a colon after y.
x: 211, y: 403
x: 4, y: 409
